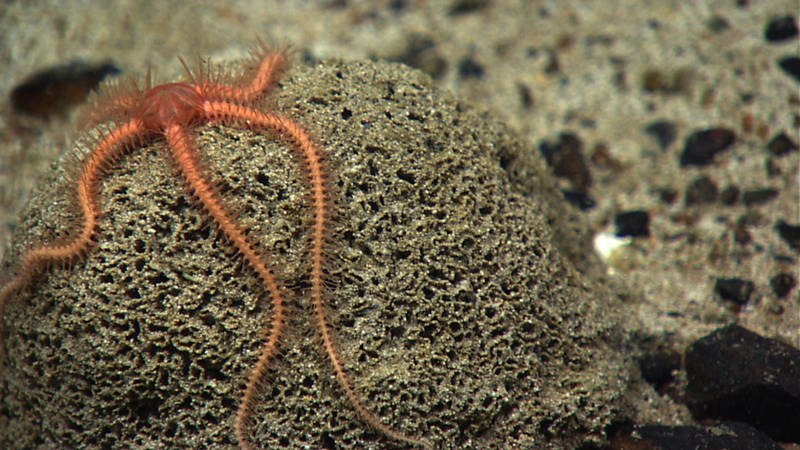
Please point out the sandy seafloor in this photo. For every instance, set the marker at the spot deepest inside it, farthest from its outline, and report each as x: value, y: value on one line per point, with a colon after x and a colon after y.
x: 543, y: 67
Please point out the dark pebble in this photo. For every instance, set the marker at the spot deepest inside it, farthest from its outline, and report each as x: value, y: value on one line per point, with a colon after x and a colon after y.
x: 398, y: 5
x: 55, y: 90
x: 566, y: 158
x: 633, y: 223
x: 735, y: 374
x: 730, y: 195
x: 789, y: 233
x: 663, y: 131
x: 791, y: 65
x: 525, y: 95
x: 717, y: 24
x: 700, y: 191
x: 781, y: 145
x: 468, y: 68
x: 724, y: 435
x: 467, y: 6
x: 654, y: 80
x: 781, y: 29
x: 668, y: 195
x: 782, y: 284
x: 701, y: 146
x: 734, y: 289
x: 660, y: 82
x: 759, y: 196
x: 580, y: 200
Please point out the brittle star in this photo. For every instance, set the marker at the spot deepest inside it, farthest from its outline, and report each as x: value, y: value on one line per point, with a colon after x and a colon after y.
x: 170, y: 111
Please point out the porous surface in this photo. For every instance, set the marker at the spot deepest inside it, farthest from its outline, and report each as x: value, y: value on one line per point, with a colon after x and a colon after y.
x: 457, y: 317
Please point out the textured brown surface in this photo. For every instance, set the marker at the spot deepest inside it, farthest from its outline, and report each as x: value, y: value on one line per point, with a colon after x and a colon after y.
x: 457, y: 318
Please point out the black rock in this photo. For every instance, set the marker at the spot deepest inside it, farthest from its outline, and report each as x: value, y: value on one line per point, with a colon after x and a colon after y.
x: 791, y: 65
x: 718, y: 24
x: 759, y: 196
x: 469, y: 68
x: 782, y: 284
x: 781, y: 145
x: 580, y: 200
x: 667, y: 195
x: 701, y: 146
x: 467, y: 6
x: 734, y: 289
x: 702, y: 190
x: 633, y: 223
x: 735, y: 374
x: 664, y: 131
x: 789, y: 233
x: 724, y: 435
x: 781, y: 29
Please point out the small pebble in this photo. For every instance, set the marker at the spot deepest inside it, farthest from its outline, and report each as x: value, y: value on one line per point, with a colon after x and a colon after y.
x: 781, y: 145
x: 791, y: 65
x: 781, y: 29
x: 703, y: 190
x: 717, y: 24
x: 782, y: 284
x: 657, y: 81
x: 664, y: 131
x: 734, y: 289
x: 702, y: 145
x: 525, y: 95
x: 468, y: 68
x: 633, y: 223
x: 667, y: 195
x: 759, y: 196
x: 459, y: 7
x: 789, y: 233
x: 579, y: 199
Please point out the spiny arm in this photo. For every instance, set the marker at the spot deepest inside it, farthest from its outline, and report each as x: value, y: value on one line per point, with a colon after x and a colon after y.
x: 103, y: 155
x: 311, y: 158
x: 184, y: 153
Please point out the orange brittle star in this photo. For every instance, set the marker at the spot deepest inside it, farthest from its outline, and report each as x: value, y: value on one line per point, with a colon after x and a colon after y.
x: 170, y: 111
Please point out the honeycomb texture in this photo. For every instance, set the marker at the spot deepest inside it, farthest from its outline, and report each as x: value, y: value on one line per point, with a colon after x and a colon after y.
x: 457, y: 318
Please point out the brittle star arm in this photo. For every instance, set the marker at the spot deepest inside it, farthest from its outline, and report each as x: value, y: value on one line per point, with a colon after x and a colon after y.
x: 184, y: 152
x: 266, y: 73
x: 104, y: 155
x: 310, y: 156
